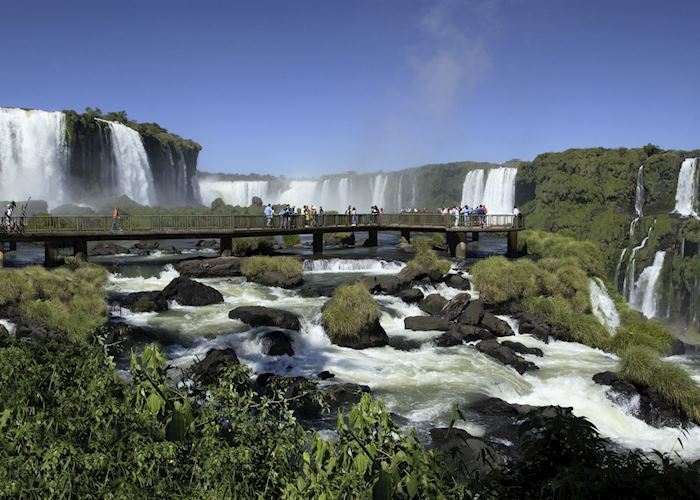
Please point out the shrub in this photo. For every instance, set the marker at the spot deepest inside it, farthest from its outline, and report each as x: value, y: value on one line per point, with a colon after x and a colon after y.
x: 500, y: 280
x: 253, y: 267
x: 426, y: 260
x: 641, y: 364
x: 242, y: 247
x: 291, y: 240
x: 638, y: 331
x: 543, y: 244
x: 350, y: 310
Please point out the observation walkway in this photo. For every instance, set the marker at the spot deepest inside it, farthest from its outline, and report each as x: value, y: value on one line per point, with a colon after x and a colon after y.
x: 75, y: 232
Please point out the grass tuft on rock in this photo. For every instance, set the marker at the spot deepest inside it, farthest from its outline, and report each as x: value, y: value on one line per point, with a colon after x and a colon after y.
x: 69, y: 300
x: 641, y: 364
x: 542, y: 244
x: 253, y: 267
x: 348, y: 311
x: 241, y: 247
x: 426, y: 260
x: 291, y: 240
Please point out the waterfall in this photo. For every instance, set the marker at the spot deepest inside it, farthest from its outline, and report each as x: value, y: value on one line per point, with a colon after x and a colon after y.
x: 33, y: 155
x: 686, y: 192
x: 300, y: 193
x: 644, y: 297
x: 638, y: 200
x: 236, y: 193
x: 352, y: 266
x: 619, y: 266
x: 134, y: 177
x: 602, y: 305
x: 379, y: 190
x: 628, y: 284
x: 494, y: 188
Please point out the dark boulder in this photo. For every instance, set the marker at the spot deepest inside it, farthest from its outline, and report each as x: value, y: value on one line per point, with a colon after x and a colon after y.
x: 463, y: 452
x: 310, y: 292
x: 371, y: 335
x: 264, y: 316
x: 146, y: 245
x: 389, y: 285
x: 432, y: 304
x: 107, y: 248
x: 622, y: 387
x: 188, y: 292
x: 274, y: 278
x: 216, y: 267
x: 411, y: 296
x: 277, y: 343
x: 325, y: 375
x: 401, y: 343
x: 497, y: 326
x: 453, y: 309
x: 505, y: 355
x: 496, y: 407
x: 405, y: 246
x: 426, y: 323
x: 145, y: 301
x: 457, y: 281
x: 472, y: 314
x: 207, y: 244
x: 209, y: 369
x: 522, y: 349
x: 459, y: 334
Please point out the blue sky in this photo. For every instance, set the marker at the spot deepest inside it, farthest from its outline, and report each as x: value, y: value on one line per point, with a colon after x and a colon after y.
x: 306, y: 87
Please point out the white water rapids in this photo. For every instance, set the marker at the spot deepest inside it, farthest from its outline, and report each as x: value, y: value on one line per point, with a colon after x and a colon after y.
x: 421, y: 385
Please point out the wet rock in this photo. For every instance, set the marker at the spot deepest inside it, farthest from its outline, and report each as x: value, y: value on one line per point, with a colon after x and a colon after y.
x: 454, y: 308
x: 426, y: 323
x: 325, y: 375
x: 472, y: 314
x: 505, y: 355
x: 457, y: 281
x: 622, y: 387
x: 497, y: 326
x: 217, y: 267
x: 459, y: 334
x: 146, y: 245
x: 277, y: 343
x: 264, y: 316
x: 274, y: 278
x: 310, y: 292
x: 463, y: 452
x: 522, y: 349
x: 153, y: 301
x: 496, y: 407
x: 188, y: 292
x: 529, y: 324
x: 401, y: 343
x: 371, y: 335
x: 405, y: 246
x: 169, y: 250
x: 389, y: 285
x: 107, y: 248
x: 432, y: 304
x: 411, y: 296
x: 209, y: 369
x: 207, y: 244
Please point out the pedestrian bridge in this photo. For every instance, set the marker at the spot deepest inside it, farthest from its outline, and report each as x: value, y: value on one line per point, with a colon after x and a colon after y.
x: 57, y: 231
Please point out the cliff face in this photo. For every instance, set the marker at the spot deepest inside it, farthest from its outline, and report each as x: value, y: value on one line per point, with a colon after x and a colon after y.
x: 94, y: 168
x: 593, y: 194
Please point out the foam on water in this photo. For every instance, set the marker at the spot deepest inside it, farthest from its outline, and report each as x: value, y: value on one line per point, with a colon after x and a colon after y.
x: 374, y: 266
x: 9, y: 326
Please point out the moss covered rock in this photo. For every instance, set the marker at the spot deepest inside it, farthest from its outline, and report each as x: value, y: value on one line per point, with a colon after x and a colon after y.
x: 351, y: 318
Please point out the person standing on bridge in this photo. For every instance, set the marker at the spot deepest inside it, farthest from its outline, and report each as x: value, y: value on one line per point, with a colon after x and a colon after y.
x: 268, y: 215
x: 116, y: 217
x: 8, y: 214
x: 353, y: 213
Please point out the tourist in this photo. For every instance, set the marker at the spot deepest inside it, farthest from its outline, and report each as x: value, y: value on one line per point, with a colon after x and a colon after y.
x: 465, y: 214
x: 517, y: 217
x: 268, y: 215
x: 8, y: 214
x: 116, y: 216
x: 353, y: 216
x: 381, y: 215
x: 321, y: 215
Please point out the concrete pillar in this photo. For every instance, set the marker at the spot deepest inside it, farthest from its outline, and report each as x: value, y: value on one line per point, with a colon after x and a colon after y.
x: 318, y: 242
x: 475, y: 235
x: 405, y: 233
x: 51, y: 258
x: 80, y: 251
x: 512, y: 244
x: 13, y: 246
x: 457, y: 244
x: 225, y: 247
x: 372, y: 238
x: 2, y: 256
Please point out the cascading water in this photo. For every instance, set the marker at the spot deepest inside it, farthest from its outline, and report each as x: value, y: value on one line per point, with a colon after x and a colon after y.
x: 638, y: 200
x: 628, y: 284
x: 602, y: 305
x: 373, y: 266
x: 494, y: 188
x: 379, y: 189
x: 134, y: 176
x: 619, y: 266
x: 644, y: 295
x: 33, y: 155
x: 687, y: 190
x: 236, y: 193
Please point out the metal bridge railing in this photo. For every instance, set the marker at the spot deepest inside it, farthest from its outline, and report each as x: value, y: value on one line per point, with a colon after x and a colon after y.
x: 224, y: 223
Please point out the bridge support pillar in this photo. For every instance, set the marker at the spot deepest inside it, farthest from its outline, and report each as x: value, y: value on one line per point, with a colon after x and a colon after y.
x: 13, y: 246
x: 512, y: 244
x: 372, y: 238
x: 406, y: 234
x: 318, y: 243
x: 2, y: 255
x: 457, y: 244
x: 225, y: 247
x: 80, y: 251
x: 51, y: 258
x: 475, y: 235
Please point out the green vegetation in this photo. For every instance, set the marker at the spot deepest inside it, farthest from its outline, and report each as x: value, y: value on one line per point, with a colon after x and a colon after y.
x: 254, y: 267
x: 426, y: 260
x: 71, y: 301
x: 291, y: 240
x: 642, y: 365
x: 242, y: 247
x: 350, y: 310
x: 541, y: 244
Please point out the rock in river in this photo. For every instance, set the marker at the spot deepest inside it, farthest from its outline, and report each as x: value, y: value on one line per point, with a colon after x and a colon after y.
x: 264, y: 316
x: 192, y: 293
